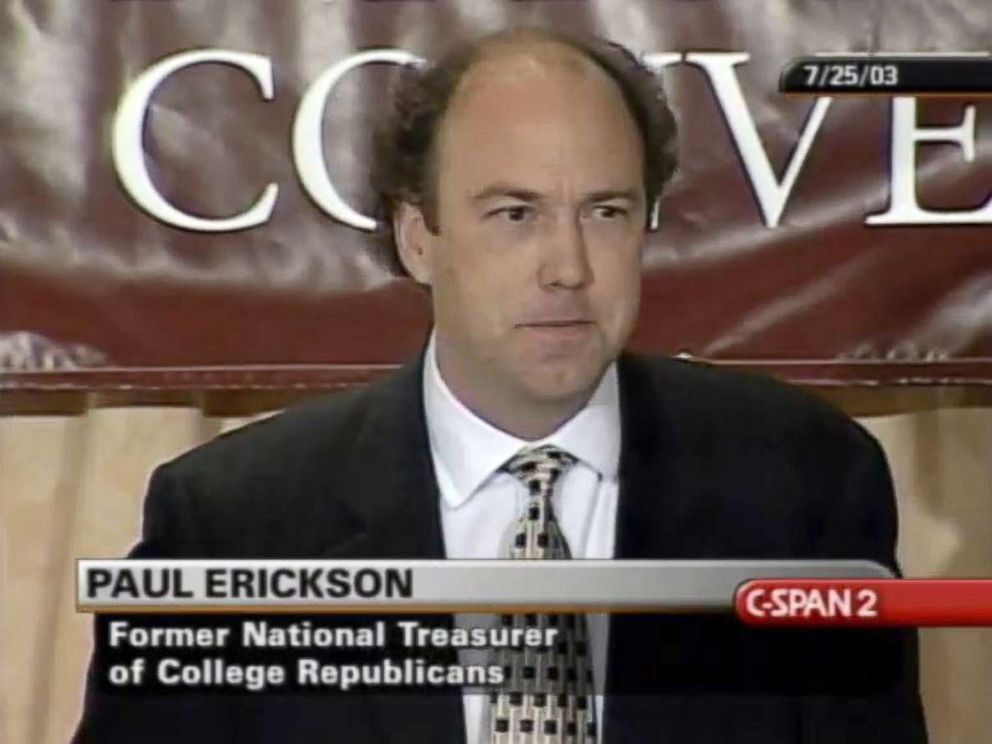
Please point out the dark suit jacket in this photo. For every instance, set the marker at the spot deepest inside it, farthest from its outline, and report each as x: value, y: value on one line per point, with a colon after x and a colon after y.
x: 714, y: 464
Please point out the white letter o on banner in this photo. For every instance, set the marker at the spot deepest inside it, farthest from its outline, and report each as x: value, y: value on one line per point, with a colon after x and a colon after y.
x: 308, y: 145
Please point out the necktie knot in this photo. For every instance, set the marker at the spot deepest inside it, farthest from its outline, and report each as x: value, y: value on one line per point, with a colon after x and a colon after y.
x: 536, y: 533
x: 539, y: 467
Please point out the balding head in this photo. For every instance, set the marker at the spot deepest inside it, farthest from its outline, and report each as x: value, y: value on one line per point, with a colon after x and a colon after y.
x: 403, y: 160
x: 525, y: 51
x: 529, y: 103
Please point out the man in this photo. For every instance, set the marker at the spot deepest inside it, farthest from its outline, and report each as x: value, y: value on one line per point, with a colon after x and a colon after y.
x: 518, y: 180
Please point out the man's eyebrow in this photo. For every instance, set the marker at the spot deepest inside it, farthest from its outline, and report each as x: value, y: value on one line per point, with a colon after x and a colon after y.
x: 611, y: 194
x: 528, y: 195
x: 506, y: 191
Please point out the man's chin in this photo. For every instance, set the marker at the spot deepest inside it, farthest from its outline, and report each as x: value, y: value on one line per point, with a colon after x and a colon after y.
x: 558, y: 385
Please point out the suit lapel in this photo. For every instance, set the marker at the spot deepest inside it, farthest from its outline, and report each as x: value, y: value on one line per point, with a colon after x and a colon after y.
x: 388, y: 479
x: 392, y: 488
x: 679, y: 677
x: 647, y: 526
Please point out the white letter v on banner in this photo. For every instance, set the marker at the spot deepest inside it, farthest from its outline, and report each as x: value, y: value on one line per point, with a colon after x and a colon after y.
x: 771, y: 193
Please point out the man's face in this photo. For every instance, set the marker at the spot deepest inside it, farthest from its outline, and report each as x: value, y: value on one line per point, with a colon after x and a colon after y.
x: 535, y: 269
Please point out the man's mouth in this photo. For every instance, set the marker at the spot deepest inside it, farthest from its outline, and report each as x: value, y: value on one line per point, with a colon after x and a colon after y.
x: 564, y: 323
x: 558, y: 331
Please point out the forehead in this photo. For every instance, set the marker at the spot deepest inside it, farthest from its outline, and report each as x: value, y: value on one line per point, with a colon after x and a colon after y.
x: 539, y: 111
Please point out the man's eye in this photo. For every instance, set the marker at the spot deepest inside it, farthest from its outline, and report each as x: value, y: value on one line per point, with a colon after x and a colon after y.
x: 518, y: 213
x: 609, y: 212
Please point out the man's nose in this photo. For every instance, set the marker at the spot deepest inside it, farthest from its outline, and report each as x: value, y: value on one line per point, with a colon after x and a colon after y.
x: 564, y: 260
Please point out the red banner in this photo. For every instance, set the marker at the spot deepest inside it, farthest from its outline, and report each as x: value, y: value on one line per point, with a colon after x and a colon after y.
x: 184, y: 199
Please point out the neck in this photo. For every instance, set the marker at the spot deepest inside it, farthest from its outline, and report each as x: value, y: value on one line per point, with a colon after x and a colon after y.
x: 519, y: 415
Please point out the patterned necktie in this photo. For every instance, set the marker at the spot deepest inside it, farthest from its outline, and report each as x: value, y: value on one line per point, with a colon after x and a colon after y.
x: 546, y: 698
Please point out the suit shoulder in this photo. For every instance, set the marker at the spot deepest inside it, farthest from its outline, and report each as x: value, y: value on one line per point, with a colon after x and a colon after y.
x: 744, y: 403
x: 320, y: 427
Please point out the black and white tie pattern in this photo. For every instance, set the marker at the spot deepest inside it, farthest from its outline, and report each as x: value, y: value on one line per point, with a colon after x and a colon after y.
x: 547, y: 696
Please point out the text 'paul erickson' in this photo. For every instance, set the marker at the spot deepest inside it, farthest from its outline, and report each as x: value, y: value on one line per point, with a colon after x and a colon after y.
x: 246, y: 583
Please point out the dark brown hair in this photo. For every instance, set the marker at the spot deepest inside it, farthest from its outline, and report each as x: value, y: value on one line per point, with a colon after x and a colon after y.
x: 403, y: 146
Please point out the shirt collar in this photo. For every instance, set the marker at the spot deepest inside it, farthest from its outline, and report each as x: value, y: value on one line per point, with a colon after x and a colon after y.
x: 471, y: 449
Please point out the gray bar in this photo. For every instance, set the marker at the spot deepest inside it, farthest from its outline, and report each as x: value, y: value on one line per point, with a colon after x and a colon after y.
x: 464, y: 585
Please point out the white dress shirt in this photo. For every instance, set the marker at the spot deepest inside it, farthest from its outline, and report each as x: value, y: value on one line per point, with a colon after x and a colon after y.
x: 480, y: 504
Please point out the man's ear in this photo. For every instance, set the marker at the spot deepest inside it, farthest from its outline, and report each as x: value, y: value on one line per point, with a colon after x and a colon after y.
x: 414, y: 242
